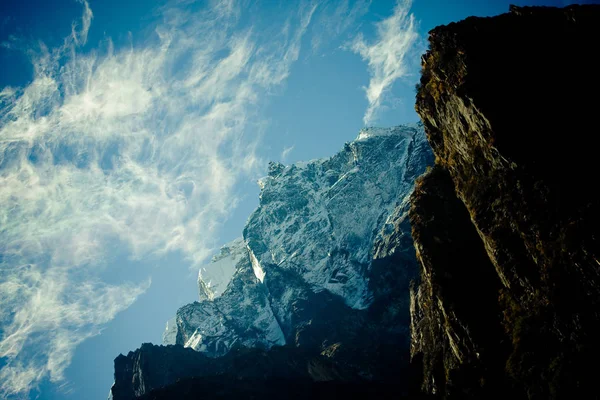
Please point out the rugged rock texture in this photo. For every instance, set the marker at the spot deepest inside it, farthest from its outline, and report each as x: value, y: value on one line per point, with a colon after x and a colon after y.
x: 458, y: 284
x: 506, y: 223
x: 163, y: 372
x: 315, y: 252
x: 318, y: 288
x: 151, y: 367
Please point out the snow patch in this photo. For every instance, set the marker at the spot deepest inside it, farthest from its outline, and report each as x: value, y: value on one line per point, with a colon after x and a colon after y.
x: 195, y: 341
x: 258, y: 271
x: 370, y: 132
x: 170, y: 334
x: 214, y: 277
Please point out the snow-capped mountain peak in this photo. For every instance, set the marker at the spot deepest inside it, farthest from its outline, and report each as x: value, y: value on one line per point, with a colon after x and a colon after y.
x: 315, y: 233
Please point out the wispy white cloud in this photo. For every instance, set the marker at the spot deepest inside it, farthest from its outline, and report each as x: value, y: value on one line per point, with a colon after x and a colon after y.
x: 80, y: 36
x: 387, y: 55
x: 137, y: 149
x: 286, y: 152
x: 335, y: 19
x: 50, y: 316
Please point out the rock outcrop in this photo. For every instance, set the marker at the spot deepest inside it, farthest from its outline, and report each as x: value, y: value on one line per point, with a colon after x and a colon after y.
x: 316, y: 290
x: 506, y: 225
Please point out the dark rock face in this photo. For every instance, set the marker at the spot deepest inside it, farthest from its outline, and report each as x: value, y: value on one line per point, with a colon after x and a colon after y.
x: 175, y: 372
x: 151, y: 367
x: 506, y: 223
x: 230, y: 388
x: 458, y: 284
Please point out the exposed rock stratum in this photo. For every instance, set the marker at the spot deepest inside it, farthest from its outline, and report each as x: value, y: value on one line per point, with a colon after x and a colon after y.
x: 506, y: 225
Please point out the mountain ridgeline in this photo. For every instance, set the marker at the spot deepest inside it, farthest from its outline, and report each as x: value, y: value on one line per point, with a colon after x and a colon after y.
x: 316, y: 290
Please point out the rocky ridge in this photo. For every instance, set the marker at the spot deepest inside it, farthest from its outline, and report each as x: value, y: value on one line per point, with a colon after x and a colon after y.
x: 318, y: 286
x: 506, y: 223
x: 313, y: 234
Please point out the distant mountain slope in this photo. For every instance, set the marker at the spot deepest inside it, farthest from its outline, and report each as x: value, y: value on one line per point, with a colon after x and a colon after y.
x: 323, y: 270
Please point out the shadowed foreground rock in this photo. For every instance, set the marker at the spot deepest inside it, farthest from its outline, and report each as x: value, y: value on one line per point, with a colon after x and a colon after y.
x: 506, y: 225
x: 229, y: 388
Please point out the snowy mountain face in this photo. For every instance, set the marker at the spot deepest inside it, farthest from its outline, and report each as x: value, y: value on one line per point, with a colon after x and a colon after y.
x: 311, y: 252
x: 213, y: 279
x: 317, y: 288
x: 320, y: 219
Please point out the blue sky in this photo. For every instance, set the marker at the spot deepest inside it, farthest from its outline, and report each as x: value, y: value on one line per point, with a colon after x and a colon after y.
x: 131, y: 137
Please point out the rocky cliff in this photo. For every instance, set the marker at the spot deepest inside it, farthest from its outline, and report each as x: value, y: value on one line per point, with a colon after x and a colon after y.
x: 506, y: 225
x: 316, y: 290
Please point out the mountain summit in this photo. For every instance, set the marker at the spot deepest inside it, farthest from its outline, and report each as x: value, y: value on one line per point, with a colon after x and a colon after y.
x: 314, y: 231
x: 319, y: 281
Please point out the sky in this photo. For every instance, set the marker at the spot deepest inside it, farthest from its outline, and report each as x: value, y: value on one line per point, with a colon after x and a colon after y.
x: 132, y: 134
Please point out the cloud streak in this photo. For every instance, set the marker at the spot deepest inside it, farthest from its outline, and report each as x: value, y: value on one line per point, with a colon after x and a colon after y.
x: 136, y: 149
x: 335, y: 19
x: 286, y: 152
x: 387, y: 55
x: 80, y: 36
